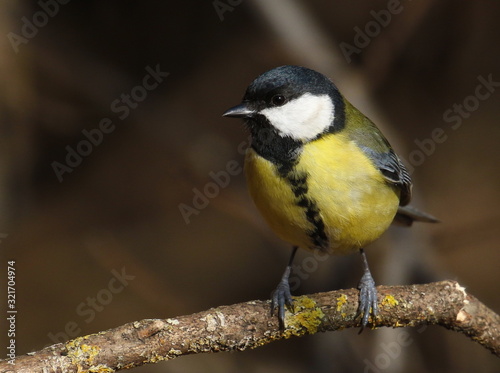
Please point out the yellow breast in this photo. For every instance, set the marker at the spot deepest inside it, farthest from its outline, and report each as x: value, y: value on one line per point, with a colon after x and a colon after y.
x: 343, y: 193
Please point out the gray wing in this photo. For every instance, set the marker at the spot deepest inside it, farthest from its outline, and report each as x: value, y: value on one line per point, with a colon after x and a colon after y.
x: 380, y: 152
x: 394, y: 172
x: 373, y: 143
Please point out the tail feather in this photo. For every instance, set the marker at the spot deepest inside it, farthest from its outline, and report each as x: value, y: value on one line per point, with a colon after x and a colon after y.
x: 406, y: 215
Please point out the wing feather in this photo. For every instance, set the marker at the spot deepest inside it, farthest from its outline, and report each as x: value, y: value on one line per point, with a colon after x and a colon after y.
x: 373, y: 143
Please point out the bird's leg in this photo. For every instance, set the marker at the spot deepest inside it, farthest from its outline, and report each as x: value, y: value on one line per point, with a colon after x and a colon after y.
x: 367, y: 293
x: 281, y: 295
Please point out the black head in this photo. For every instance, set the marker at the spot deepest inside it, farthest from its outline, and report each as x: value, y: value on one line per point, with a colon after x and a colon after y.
x: 290, y: 105
x: 289, y: 82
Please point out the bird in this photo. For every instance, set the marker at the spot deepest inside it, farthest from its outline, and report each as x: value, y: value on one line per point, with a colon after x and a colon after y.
x: 321, y: 173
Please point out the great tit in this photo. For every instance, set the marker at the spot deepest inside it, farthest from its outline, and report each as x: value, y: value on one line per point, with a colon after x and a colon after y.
x: 321, y: 173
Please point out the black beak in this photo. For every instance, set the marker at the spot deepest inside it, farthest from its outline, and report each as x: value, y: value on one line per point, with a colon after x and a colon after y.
x: 239, y: 111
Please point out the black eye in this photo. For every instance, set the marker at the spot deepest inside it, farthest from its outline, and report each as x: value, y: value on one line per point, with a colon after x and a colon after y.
x: 278, y: 100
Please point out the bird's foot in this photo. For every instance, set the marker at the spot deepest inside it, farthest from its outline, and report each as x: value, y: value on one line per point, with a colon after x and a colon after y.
x: 280, y: 297
x: 367, y: 299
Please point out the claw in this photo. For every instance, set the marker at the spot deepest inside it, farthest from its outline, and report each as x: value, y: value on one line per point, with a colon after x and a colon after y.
x: 367, y: 295
x: 367, y: 298
x: 281, y: 296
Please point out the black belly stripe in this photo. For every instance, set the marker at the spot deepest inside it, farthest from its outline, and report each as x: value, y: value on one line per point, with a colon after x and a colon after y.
x: 298, y: 183
x: 284, y: 153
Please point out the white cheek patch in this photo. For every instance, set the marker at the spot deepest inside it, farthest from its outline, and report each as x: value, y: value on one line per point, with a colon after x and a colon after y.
x: 303, y: 118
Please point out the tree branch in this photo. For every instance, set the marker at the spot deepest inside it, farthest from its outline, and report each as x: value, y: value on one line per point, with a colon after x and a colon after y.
x: 248, y: 325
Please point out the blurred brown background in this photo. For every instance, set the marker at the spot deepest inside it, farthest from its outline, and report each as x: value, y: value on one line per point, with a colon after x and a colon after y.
x: 118, y: 210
